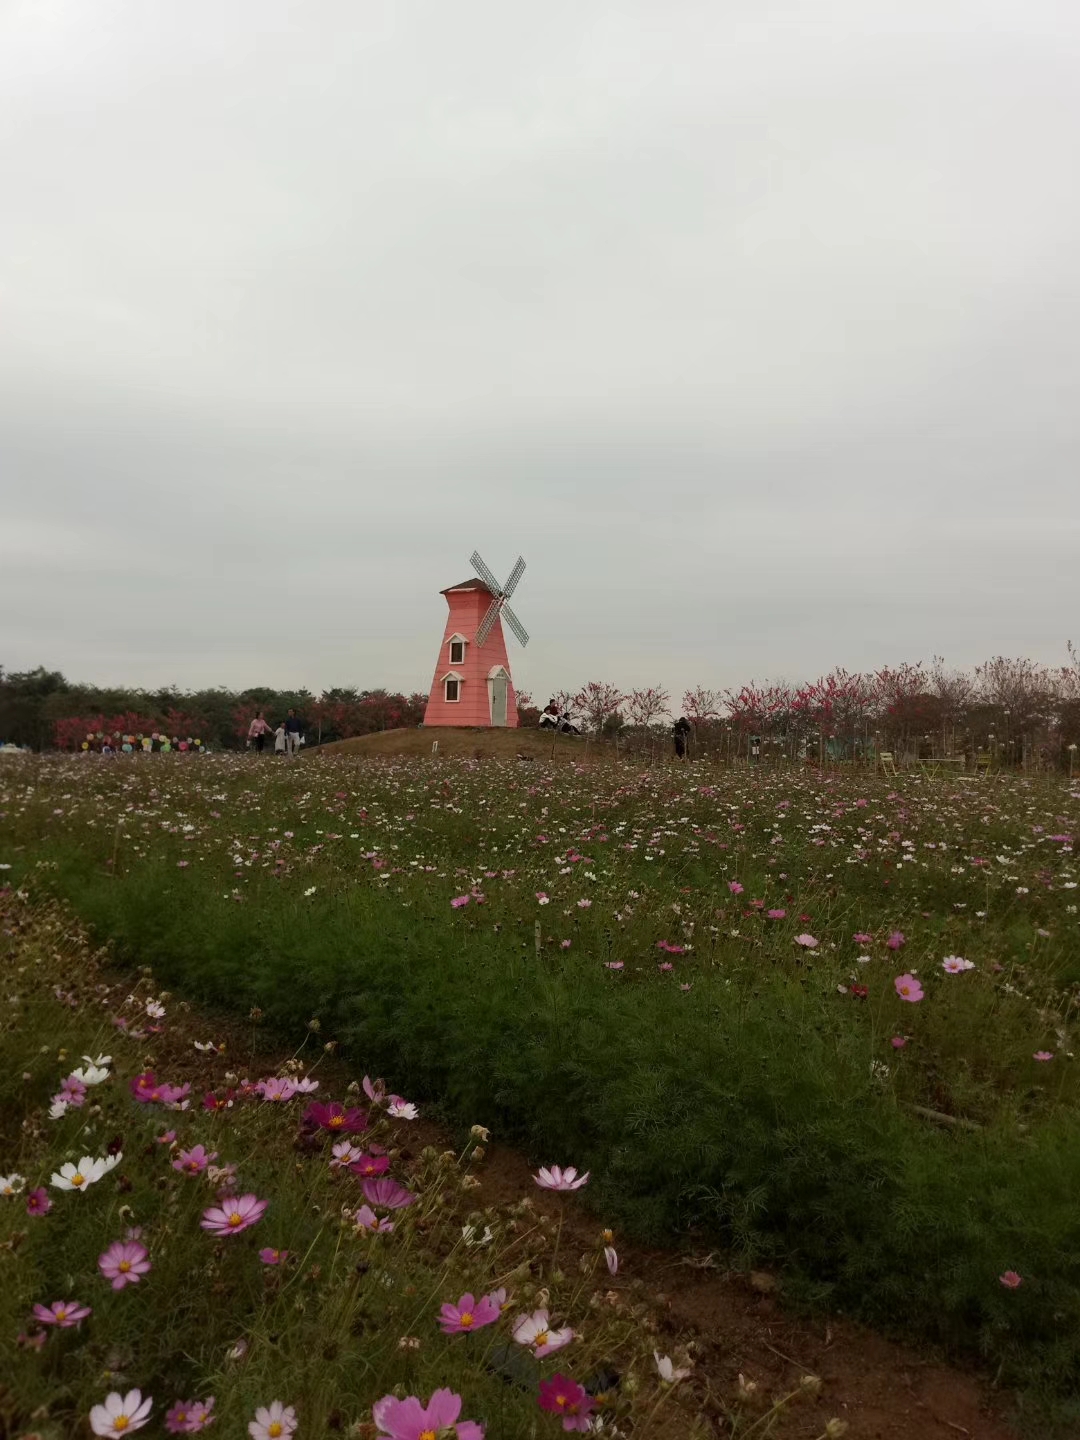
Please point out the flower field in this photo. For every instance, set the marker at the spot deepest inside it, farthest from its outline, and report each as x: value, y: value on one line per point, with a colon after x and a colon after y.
x: 825, y: 1020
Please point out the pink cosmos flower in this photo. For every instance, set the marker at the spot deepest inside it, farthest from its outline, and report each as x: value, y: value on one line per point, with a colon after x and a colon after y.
x: 335, y: 1118
x: 63, y: 1313
x: 458, y: 901
x: 542, y: 898
x: 235, y: 1213
x: 861, y: 938
x: 387, y: 1193
x: 187, y: 1417
x: 536, y: 1331
x: 665, y: 966
x: 613, y: 964
x: 72, y: 1091
x: 896, y: 939
x: 807, y: 941
x: 898, y: 1042
x: 193, y: 1161
x: 565, y: 944
x: 276, y: 1090
x: 908, y: 988
x: 1011, y: 1280
x: 776, y: 914
x: 956, y: 964
x: 410, y: 1419
x: 375, y: 1090
x: 366, y: 1219
x: 565, y: 1397
x: 121, y: 1414
x: 370, y: 1166
x: 124, y: 1263
x: 559, y: 1179
x: 468, y: 1314
x: 166, y: 1137
x: 273, y: 1257
x: 273, y: 1422
x: 1043, y: 1055
x: 735, y: 887
x: 38, y: 1202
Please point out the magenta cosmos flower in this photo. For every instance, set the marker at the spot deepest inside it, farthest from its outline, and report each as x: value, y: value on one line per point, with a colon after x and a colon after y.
x: 193, y: 1161
x: 121, y: 1414
x: 861, y: 938
x: 387, y: 1193
x: 235, y: 1213
x: 559, y: 1179
x: 1011, y: 1280
x: 269, y: 1256
x: 124, y: 1263
x: 370, y: 1166
x: 908, y: 988
x: 410, y: 1419
x: 468, y: 1314
x: 565, y: 1397
x: 735, y: 887
x: 63, y: 1313
x: 336, y: 1118
x: 38, y: 1202
x: 896, y: 940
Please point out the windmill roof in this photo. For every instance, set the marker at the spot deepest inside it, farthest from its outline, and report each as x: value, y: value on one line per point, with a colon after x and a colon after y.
x: 472, y: 584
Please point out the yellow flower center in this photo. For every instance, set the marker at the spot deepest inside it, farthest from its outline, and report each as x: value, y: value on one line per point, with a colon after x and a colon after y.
x: 426, y: 1435
x: 274, y: 1428
x: 121, y: 1423
x: 541, y: 1337
x: 78, y: 1179
x: 336, y: 1121
x: 560, y: 1400
x: 61, y: 1314
x: 465, y: 1318
x: 125, y: 1266
x: 237, y: 1219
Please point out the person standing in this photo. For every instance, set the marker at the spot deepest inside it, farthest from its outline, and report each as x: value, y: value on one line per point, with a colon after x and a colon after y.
x: 680, y: 732
x: 258, y: 731
x: 279, y: 740
x: 293, y: 731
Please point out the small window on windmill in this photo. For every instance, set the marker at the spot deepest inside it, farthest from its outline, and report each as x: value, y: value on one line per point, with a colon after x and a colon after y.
x: 453, y: 690
x: 457, y: 652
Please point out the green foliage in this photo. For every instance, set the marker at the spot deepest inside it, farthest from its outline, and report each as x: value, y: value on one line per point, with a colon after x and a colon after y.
x: 761, y: 1107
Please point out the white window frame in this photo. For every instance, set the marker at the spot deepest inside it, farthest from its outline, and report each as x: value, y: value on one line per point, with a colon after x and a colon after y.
x: 458, y: 681
x: 457, y: 659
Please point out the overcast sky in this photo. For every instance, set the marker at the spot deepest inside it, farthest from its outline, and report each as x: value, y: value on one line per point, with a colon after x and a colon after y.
x: 754, y: 326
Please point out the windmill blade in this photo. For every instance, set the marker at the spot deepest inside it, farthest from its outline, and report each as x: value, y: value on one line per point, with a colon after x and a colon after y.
x: 485, y: 574
x: 483, y: 630
x: 515, y: 625
x: 515, y: 576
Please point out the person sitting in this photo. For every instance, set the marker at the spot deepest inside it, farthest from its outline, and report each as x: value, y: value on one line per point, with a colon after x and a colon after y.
x: 549, y: 716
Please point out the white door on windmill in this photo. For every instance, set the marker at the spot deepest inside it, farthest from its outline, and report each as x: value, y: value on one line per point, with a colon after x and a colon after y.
x: 497, y: 683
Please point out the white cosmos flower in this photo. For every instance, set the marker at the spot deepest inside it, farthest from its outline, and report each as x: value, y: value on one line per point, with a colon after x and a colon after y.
x: 86, y: 1173
x: 536, y: 1330
x: 121, y: 1414
x: 205, y: 1047
x: 12, y: 1184
x: 666, y: 1370
x: 402, y: 1109
x: 58, y: 1109
x: 470, y: 1234
x: 98, y: 1059
x: 155, y: 1010
x: 91, y: 1074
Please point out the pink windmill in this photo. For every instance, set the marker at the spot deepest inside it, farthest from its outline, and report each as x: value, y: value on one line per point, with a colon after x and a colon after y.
x: 472, y: 685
